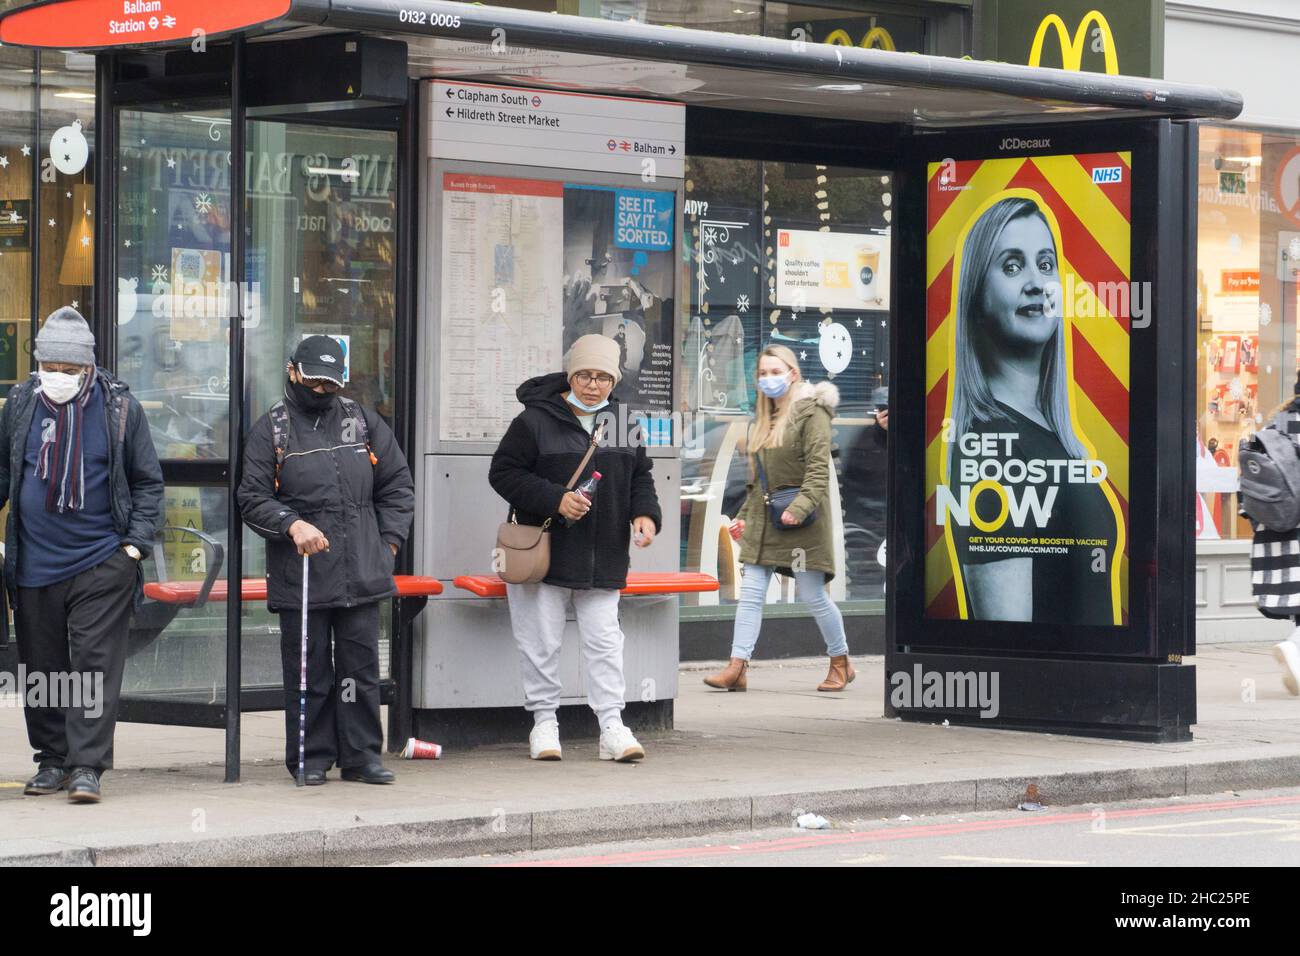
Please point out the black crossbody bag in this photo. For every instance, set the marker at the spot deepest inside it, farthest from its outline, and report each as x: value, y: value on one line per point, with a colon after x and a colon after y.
x: 779, y: 501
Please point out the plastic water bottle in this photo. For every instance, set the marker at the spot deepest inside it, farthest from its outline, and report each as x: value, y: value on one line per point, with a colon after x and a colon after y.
x: 587, y: 490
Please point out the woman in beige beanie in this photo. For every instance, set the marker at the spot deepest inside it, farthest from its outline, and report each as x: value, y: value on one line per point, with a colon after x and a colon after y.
x: 564, y: 415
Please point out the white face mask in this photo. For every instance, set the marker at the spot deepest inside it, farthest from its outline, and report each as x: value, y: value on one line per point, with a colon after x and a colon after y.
x: 60, y: 387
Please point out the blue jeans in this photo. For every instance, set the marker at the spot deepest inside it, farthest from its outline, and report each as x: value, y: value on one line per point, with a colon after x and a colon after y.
x: 811, y: 587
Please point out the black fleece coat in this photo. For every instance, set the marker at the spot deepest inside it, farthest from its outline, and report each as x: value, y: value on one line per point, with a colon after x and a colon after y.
x: 537, y: 457
x: 327, y: 480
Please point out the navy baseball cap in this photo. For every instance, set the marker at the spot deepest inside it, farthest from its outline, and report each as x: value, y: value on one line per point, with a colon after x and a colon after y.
x: 320, y: 356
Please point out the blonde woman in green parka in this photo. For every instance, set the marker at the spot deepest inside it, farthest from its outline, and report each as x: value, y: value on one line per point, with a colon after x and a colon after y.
x: 790, y: 441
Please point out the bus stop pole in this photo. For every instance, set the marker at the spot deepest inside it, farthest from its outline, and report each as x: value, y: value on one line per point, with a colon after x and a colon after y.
x: 235, y: 536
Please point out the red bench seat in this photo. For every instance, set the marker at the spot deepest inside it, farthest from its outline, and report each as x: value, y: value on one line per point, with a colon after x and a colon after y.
x: 638, y: 582
x: 254, y: 589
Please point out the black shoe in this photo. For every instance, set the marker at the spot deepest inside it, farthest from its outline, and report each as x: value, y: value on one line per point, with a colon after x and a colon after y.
x: 47, y: 780
x: 311, y: 778
x: 371, y: 773
x: 83, y: 786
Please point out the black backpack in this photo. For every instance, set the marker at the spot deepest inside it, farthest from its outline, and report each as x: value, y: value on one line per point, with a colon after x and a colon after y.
x: 280, y: 431
x: 1270, y: 476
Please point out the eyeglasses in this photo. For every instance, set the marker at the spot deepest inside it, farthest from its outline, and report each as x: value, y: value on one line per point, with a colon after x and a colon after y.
x: 586, y: 378
x: 324, y: 384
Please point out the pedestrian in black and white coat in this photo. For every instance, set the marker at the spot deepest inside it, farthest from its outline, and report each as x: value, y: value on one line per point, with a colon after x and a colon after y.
x: 1275, y: 570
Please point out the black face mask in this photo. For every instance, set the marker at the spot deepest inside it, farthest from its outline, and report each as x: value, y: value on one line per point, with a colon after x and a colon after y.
x: 308, y: 398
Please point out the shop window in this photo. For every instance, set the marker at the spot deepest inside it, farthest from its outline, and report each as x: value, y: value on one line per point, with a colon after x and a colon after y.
x: 19, y: 154
x: 1248, y: 245
x: 322, y: 216
x: 878, y: 28
x: 174, y: 300
x: 797, y: 255
x: 67, y: 165
x: 725, y: 16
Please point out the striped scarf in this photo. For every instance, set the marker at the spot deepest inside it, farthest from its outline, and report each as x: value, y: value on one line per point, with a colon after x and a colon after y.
x: 60, y: 452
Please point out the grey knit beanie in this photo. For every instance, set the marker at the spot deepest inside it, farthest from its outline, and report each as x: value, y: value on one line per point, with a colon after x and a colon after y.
x: 65, y: 337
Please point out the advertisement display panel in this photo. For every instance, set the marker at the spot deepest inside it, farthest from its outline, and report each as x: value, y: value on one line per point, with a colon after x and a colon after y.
x: 618, y: 268
x: 528, y: 266
x: 833, y: 270
x: 1030, y: 304
x: 1044, y: 506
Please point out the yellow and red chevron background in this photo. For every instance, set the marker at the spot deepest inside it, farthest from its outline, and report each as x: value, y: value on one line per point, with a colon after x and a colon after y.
x: 1094, y: 224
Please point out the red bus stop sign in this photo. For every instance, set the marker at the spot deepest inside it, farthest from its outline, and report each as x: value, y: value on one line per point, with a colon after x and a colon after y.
x: 97, y: 24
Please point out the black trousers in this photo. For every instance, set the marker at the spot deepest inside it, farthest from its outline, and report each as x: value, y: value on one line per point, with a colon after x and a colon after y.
x: 343, y: 723
x: 77, y: 627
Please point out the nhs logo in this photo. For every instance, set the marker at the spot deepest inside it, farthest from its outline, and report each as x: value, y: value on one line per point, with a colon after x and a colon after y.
x: 1108, y: 174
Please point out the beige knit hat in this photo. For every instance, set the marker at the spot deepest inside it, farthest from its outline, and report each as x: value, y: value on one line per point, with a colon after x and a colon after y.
x: 594, y: 353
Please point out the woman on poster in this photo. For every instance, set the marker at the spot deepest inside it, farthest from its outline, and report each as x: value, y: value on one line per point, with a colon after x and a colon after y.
x: 1010, y: 410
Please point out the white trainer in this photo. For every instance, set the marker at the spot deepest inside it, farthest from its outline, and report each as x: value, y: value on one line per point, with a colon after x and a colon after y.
x: 617, y: 743
x: 1288, y: 655
x: 544, y: 741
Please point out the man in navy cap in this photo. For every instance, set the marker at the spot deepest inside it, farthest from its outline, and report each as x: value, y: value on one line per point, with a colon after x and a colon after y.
x: 324, y: 477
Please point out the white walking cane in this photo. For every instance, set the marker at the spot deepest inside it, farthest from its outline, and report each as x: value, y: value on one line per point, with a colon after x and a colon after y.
x: 302, y: 685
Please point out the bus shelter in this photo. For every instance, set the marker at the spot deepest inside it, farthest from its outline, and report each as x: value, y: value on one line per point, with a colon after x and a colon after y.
x: 430, y: 181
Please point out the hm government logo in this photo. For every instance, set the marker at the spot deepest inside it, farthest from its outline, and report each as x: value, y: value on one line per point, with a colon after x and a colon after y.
x: 1093, y: 33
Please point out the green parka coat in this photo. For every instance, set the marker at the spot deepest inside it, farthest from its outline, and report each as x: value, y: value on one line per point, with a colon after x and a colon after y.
x: 804, y: 461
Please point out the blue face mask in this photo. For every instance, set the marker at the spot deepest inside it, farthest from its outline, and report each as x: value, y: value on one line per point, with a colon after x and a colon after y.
x: 576, y: 402
x: 774, y: 386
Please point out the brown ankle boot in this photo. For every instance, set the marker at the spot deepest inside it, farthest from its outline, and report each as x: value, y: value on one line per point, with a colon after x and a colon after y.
x: 731, y: 677
x: 840, y: 676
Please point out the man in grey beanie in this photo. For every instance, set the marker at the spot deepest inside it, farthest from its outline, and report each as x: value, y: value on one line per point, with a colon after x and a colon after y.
x: 81, y: 477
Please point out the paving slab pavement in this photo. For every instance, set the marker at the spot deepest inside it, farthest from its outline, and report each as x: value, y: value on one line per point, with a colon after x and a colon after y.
x: 734, y: 761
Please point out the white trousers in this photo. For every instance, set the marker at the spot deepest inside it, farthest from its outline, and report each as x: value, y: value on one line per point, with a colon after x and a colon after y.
x: 537, y: 616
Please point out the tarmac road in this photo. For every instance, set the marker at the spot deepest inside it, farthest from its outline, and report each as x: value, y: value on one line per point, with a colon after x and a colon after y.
x: 1259, y: 828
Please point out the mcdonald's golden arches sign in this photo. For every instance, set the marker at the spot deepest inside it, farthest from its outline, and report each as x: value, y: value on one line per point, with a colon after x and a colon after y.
x: 1098, y: 36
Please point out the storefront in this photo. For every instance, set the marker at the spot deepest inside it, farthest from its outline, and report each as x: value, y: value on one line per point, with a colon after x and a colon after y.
x: 1248, y: 241
x: 241, y: 179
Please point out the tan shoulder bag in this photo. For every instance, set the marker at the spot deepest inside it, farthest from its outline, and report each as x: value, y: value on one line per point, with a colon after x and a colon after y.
x: 524, y: 551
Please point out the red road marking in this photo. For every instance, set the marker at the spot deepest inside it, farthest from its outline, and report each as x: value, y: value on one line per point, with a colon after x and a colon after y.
x: 885, y: 835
